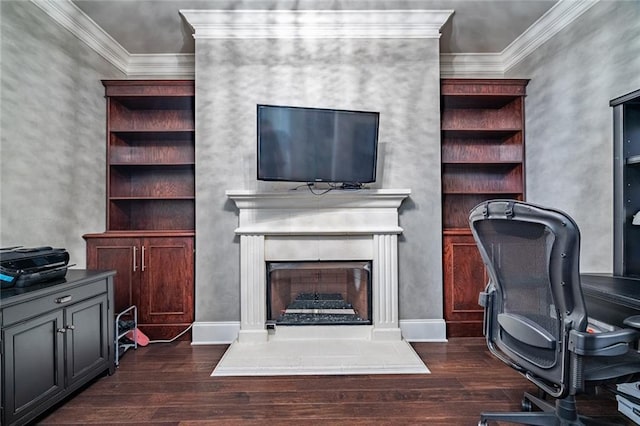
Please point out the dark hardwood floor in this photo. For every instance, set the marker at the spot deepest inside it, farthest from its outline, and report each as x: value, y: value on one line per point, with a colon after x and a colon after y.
x: 170, y: 384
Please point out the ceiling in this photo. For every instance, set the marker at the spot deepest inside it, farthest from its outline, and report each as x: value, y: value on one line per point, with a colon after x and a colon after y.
x: 156, y: 27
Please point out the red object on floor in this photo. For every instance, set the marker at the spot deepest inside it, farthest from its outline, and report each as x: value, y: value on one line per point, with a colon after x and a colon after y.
x: 141, y: 338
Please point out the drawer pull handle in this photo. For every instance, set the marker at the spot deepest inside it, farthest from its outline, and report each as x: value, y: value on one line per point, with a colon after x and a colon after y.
x: 135, y: 256
x: 63, y: 299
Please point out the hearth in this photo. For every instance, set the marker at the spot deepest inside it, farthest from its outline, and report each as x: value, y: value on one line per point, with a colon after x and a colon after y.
x: 319, y: 293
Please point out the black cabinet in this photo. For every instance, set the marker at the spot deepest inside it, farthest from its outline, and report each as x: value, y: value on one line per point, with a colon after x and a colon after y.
x: 55, y: 338
x: 626, y: 181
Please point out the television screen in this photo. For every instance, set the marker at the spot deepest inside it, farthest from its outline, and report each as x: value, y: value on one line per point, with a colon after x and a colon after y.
x: 317, y: 145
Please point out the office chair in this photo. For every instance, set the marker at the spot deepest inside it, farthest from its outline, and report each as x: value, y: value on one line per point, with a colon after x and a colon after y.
x: 535, y: 318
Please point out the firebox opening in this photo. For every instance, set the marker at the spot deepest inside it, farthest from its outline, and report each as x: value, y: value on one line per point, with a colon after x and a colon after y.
x: 319, y: 293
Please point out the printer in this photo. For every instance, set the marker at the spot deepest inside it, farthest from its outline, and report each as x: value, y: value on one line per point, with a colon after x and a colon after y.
x: 22, y: 267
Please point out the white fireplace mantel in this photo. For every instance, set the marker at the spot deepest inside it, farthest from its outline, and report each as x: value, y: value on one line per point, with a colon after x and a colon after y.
x: 338, y: 225
x: 340, y: 212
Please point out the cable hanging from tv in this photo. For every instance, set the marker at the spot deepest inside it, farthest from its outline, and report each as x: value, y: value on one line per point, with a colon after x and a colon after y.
x: 345, y: 186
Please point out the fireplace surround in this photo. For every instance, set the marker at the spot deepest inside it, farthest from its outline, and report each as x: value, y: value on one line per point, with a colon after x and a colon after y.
x: 299, y: 226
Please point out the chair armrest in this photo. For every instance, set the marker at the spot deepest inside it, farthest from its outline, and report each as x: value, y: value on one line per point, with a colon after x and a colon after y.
x: 611, y: 343
x: 633, y: 321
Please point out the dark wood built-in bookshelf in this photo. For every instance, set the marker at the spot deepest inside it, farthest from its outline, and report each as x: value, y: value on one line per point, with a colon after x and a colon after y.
x: 482, y: 136
x: 151, y: 157
x: 150, y: 213
x: 626, y: 181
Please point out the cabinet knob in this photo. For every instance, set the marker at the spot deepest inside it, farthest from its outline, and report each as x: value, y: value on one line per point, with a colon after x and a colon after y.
x: 62, y: 330
x: 70, y: 327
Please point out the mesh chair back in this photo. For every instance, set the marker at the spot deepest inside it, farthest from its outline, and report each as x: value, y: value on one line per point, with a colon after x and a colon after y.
x: 531, y: 254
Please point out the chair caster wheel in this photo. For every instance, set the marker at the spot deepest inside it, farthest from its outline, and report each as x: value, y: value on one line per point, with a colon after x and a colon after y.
x: 525, y: 405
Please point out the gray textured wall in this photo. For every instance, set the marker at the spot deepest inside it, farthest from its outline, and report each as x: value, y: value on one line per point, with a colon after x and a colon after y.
x: 52, y: 165
x: 569, y: 143
x: 52, y: 149
x: 399, y: 78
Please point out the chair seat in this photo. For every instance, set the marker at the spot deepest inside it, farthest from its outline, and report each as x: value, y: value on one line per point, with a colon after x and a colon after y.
x: 607, y: 368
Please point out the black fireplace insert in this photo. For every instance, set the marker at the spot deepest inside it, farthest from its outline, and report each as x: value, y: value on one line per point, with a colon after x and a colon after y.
x: 319, y: 293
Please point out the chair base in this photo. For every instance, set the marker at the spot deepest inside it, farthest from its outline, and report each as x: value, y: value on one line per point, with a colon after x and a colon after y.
x: 562, y: 414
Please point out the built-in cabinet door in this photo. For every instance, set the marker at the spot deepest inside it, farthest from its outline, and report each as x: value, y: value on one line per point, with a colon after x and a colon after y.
x: 167, y: 286
x: 154, y: 273
x: 123, y: 256
x: 465, y: 277
x: 87, y: 339
x: 33, y: 363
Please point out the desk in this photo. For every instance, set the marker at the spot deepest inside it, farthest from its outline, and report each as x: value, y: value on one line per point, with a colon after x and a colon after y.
x: 611, y: 299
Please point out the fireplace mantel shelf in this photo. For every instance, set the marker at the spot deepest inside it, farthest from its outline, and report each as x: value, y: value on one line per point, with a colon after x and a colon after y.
x: 302, y: 199
x: 303, y: 213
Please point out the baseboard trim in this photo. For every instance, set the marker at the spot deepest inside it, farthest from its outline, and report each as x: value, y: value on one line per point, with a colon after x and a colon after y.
x: 214, y: 333
x: 226, y: 332
x: 424, y: 330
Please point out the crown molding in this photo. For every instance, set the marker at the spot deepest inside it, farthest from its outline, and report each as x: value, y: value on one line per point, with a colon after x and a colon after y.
x: 327, y: 24
x: 315, y: 24
x: 560, y: 16
x: 69, y: 16
x: 471, y: 65
x: 168, y: 64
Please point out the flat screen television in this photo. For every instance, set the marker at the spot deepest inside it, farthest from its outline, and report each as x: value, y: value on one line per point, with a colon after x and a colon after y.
x: 299, y: 144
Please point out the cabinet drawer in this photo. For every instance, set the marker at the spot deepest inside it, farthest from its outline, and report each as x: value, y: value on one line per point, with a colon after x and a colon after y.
x: 26, y: 310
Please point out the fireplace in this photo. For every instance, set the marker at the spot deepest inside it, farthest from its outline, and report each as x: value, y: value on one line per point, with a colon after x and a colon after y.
x: 318, y: 293
x: 319, y: 256
x: 281, y: 230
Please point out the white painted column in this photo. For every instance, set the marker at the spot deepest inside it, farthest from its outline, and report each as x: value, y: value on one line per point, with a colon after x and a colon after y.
x: 253, y: 290
x: 385, y: 288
